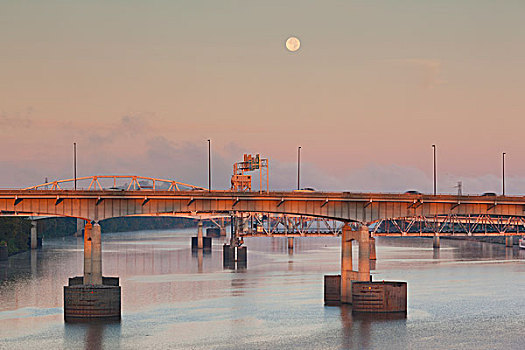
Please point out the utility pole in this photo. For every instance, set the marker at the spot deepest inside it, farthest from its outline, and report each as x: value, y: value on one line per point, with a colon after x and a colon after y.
x: 435, y: 189
x: 75, y: 163
x: 503, y: 174
x: 299, y: 167
x: 209, y: 165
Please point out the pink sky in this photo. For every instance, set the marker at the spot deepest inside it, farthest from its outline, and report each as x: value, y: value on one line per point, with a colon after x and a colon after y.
x: 141, y: 87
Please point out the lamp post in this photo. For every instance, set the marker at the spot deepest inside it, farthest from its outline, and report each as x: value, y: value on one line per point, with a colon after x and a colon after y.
x: 298, y: 167
x: 434, y: 149
x: 209, y: 165
x: 75, y: 163
x: 503, y: 173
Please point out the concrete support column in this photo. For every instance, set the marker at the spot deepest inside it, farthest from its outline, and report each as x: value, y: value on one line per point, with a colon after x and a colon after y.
x: 290, y: 243
x: 373, y: 248
x: 87, y: 254
x: 346, y: 266
x: 200, y: 241
x: 80, y: 225
x: 364, y: 254
x: 34, y: 236
x: 96, y: 253
x: 509, y: 241
x: 435, y: 242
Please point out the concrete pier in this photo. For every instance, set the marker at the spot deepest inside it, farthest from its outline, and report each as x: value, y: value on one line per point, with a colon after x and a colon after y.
x: 348, y: 274
x: 200, y: 242
x: 233, y: 256
x: 509, y: 241
x: 96, y: 254
x: 346, y: 266
x: 92, y: 296
x: 435, y: 242
x: 379, y: 297
x: 290, y: 243
x: 34, y: 235
x: 85, y: 302
x: 356, y: 287
x: 87, y: 253
x: 373, y: 249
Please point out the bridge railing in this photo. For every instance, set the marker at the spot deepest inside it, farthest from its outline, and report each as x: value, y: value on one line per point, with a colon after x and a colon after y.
x: 116, y: 183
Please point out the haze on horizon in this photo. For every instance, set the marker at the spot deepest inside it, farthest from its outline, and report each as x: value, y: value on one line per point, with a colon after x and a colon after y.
x: 141, y: 86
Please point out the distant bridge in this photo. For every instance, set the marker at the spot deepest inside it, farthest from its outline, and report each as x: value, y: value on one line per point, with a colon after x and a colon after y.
x: 104, y: 197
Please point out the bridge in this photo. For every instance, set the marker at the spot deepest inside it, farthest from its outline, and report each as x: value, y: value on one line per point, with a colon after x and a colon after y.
x: 97, y: 198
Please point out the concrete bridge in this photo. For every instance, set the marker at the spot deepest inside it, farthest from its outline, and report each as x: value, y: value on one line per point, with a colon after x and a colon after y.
x: 142, y: 196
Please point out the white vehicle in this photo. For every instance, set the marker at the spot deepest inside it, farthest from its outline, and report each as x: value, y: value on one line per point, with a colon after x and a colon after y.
x: 522, y: 243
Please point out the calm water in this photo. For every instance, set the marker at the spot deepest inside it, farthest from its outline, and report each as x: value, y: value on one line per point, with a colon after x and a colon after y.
x: 466, y: 296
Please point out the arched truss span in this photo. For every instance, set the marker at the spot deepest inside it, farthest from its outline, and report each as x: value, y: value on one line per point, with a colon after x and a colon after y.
x: 116, y: 183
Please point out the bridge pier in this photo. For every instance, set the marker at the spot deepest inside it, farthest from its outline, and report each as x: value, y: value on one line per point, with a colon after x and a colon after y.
x: 356, y: 287
x: 509, y: 241
x: 34, y: 235
x: 435, y: 242
x: 373, y: 255
x: 348, y: 274
x: 92, y: 296
x: 200, y: 242
x: 290, y: 243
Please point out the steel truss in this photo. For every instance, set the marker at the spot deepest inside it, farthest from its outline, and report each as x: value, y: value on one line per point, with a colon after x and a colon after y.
x: 452, y: 225
x: 116, y: 182
x: 267, y: 224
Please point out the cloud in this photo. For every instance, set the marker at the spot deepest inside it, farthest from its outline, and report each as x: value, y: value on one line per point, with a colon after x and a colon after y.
x: 129, y: 126
x: 16, y: 120
x: 429, y: 70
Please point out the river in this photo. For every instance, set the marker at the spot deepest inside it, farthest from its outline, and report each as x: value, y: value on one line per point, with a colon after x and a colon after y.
x: 467, y: 295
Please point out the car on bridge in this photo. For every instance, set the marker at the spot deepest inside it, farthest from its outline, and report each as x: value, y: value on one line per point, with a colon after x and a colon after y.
x: 306, y: 189
x: 489, y: 194
x: 412, y: 192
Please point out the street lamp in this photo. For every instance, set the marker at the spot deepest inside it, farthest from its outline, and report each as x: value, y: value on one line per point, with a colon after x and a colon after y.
x: 434, y: 148
x: 209, y: 165
x: 298, y: 167
x: 503, y: 173
x: 75, y: 163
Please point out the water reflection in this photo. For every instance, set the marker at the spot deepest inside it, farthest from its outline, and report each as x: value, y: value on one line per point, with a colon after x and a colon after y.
x: 173, y: 298
x: 357, y: 327
x: 92, y: 335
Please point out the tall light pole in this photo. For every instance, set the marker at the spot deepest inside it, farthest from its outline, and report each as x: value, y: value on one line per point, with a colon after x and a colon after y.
x: 209, y: 165
x: 503, y: 173
x: 298, y: 167
x: 434, y: 148
x: 75, y: 163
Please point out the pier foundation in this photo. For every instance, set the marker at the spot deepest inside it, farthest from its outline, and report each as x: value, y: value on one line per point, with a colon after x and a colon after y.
x: 200, y: 242
x: 233, y: 256
x: 355, y: 286
x: 92, y: 296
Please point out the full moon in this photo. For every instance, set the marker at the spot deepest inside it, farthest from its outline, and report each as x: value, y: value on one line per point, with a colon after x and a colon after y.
x: 293, y: 44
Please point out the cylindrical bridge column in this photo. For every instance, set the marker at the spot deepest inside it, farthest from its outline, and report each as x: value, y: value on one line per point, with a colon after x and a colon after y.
x: 435, y: 242
x: 34, y: 235
x: 509, y: 241
x: 87, y: 254
x: 96, y: 253
x: 346, y: 266
x: 373, y: 248
x: 290, y: 243
x: 364, y: 254
x: 200, y: 241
